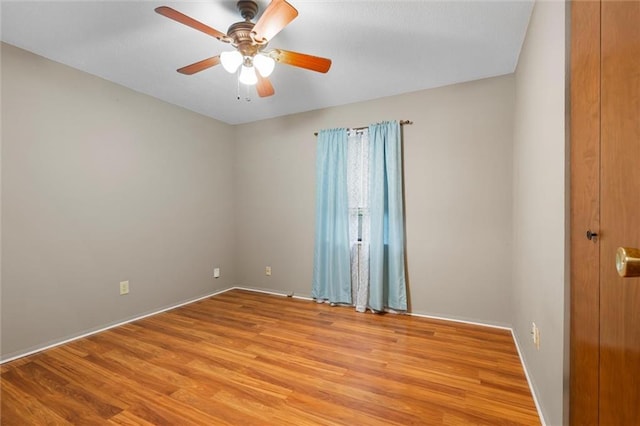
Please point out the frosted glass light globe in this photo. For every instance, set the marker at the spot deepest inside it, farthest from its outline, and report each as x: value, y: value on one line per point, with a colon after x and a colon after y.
x: 248, y: 76
x: 231, y: 61
x: 264, y: 64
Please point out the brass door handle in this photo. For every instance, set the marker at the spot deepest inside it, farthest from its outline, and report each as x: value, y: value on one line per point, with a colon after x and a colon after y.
x: 628, y: 262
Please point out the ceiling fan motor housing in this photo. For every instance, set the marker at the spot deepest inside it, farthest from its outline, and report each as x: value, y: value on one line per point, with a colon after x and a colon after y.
x: 240, y: 33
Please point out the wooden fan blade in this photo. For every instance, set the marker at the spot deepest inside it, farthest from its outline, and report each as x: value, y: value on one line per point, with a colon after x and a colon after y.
x: 275, y: 17
x: 199, y: 66
x: 190, y: 22
x: 264, y: 86
x: 313, y: 63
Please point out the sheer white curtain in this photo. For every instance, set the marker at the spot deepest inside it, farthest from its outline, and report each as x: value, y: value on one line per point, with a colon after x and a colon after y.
x: 359, y: 215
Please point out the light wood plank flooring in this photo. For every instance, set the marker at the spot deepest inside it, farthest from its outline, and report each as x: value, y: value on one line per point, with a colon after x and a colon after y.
x: 246, y: 358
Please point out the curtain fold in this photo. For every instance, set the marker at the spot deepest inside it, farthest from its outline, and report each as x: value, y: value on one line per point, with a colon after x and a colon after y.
x: 332, y: 254
x: 387, y: 283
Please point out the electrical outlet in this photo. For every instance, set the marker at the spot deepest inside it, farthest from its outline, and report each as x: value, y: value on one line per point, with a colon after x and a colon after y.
x: 216, y: 272
x: 267, y: 271
x: 535, y: 335
x: 124, y: 287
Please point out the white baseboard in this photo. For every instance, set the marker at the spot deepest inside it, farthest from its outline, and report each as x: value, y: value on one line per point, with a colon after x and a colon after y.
x: 515, y: 341
x: 100, y: 330
x: 526, y: 374
x: 139, y: 317
x: 283, y: 294
x: 273, y: 292
x: 482, y: 324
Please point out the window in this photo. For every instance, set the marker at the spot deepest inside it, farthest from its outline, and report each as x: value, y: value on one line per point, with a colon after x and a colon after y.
x: 359, y: 214
x: 358, y: 184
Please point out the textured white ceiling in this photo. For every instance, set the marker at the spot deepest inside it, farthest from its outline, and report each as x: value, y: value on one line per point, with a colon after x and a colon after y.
x: 378, y: 48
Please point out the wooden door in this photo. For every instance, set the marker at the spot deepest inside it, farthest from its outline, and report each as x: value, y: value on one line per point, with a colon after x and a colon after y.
x: 605, y: 198
x: 619, y: 211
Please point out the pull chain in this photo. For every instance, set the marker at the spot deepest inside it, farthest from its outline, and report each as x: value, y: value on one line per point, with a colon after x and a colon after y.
x: 238, y: 85
x: 247, y: 97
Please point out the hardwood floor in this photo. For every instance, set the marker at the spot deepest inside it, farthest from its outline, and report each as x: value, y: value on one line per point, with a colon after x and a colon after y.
x: 244, y: 358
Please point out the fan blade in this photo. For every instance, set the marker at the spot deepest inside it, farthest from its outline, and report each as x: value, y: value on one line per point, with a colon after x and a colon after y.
x: 190, y: 22
x: 264, y: 86
x: 313, y: 63
x: 275, y: 17
x: 199, y: 66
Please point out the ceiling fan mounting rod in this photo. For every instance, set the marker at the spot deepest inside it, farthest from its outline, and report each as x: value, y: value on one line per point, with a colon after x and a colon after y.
x: 248, y: 9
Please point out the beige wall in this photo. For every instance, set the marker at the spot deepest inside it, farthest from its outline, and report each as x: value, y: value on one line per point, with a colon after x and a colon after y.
x: 539, y: 204
x: 101, y: 184
x: 458, y: 191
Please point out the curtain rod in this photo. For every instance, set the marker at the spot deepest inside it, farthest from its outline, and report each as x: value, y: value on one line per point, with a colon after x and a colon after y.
x: 402, y: 123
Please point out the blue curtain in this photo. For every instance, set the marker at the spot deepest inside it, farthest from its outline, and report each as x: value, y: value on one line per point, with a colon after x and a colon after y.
x: 387, y: 284
x: 331, y: 263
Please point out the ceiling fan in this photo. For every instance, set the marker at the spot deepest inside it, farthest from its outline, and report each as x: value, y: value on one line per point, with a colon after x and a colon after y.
x: 250, y: 40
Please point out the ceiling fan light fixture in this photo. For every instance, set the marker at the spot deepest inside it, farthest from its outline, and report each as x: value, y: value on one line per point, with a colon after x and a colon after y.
x: 231, y: 60
x: 264, y: 64
x: 249, y: 40
x: 248, y: 75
